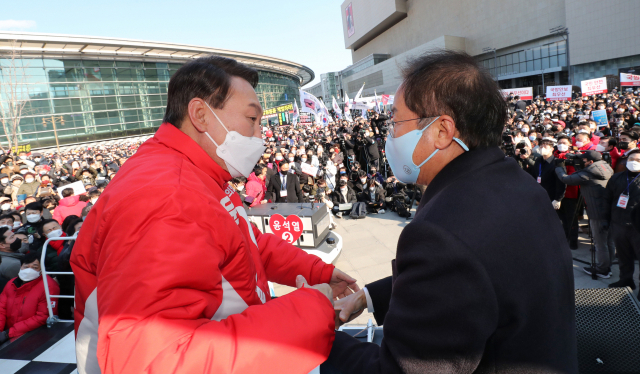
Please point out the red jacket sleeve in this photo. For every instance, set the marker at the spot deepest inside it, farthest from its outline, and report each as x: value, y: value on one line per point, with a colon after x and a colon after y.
x: 42, y: 313
x: 57, y: 215
x: 3, y: 305
x: 159, y: 278
x: 284, y: 262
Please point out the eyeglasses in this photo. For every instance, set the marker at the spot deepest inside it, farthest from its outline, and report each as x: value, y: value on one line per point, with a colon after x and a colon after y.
x: 391, y: 124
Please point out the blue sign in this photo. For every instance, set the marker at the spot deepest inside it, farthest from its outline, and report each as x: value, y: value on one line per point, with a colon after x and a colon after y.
x: 285, y: 97
x: 600, y: 116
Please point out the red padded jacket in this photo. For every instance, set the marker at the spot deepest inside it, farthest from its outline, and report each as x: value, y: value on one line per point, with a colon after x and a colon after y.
x: 24, y: 308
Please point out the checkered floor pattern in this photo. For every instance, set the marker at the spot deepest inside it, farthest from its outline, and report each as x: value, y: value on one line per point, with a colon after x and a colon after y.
x: 44, y: 350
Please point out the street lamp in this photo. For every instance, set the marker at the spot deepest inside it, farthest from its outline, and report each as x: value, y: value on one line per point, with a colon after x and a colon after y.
x: 53, y: 120
x: 564, y: 33
x: 495, y: 64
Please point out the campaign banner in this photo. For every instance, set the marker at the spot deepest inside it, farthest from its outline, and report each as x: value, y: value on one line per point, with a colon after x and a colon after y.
x: 26, y: 148
x: 600, y: 116
x: 387, y: 99
x: 594, y: 86
x: 525, y: 93
x: 561, y: 93
x: 629, y: 80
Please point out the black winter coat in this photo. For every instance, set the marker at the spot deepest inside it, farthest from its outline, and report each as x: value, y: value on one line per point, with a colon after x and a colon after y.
x: 472, y: 291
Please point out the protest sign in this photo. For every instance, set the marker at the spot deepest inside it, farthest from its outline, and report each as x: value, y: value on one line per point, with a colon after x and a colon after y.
x: 594, y: 86
x: 629, y: 80
x: 600, y: 116
x: 558, y: 93
x: 525, y: 93
x: 78, y: 188
x: 309, y: 169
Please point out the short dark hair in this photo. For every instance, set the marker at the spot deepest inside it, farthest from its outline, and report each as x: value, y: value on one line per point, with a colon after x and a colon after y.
x: 34, y: 206
x: 44, y: 222
x: 67, y: 192
x: 258, y: 169
x: 5, y: 216
x: 3, y: 230
x: 452, y: 83
x: 207, y: 78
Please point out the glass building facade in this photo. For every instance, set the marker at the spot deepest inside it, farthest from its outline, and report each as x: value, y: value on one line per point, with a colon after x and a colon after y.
x: 95, y: 99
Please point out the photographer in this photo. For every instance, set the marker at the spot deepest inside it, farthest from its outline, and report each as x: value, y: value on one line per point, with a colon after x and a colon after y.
x: 568, y: 211
x: 374, y: 198
x: 592, y: 178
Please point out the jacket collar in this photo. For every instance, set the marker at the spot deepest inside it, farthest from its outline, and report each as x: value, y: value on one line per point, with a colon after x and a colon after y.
x: 462, y: 165
x: 172, y: 137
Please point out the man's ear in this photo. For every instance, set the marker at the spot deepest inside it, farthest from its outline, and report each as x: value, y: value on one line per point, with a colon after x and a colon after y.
x: 196, y: 111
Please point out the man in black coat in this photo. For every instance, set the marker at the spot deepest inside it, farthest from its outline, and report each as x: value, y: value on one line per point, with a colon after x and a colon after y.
x: 544, y: 172
x: 284, y: 187
x: 472, y: 291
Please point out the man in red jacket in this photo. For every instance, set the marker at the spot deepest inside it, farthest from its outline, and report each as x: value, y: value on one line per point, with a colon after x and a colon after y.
x: 23, y: 306
x: 68, y: 205
x: 170, y: 275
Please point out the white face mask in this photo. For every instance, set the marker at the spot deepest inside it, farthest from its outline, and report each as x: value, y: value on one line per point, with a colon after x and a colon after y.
x: 6, y: 206
x: 600, y: 148
x: 278, y: 158
x: 28, y: 180
x: 16, y: 224
x: 372, y: 188
x: 94, y: 201
x: 240, y: 153
x: 4, y: 181
x: 290, y: 159
x: 363, y: 180
x: 633, y: 166
x: 304, y: 159
x: 240, y: 188
x: 343, y: 189
x: 545, y: 151
x: 8, y: 226
x: 28, y: 274
x: 579, y: 144
x: 55, y: 233
x: 33, y: 218
x: 563, y: 147
x: 23, y: 157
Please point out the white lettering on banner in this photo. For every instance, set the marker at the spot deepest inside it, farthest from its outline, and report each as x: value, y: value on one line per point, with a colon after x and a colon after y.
x: 558, y: 93
x: 594, y: 86
x: 627, y: 79
x: 525, y: 93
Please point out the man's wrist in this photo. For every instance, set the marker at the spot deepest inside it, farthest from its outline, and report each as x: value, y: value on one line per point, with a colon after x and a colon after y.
x: 367, y: 300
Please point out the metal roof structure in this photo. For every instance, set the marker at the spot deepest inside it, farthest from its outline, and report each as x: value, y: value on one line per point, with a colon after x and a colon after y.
x: 73, y: 46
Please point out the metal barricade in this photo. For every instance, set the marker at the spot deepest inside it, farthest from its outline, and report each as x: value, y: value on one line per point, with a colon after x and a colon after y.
x: 54, y: 319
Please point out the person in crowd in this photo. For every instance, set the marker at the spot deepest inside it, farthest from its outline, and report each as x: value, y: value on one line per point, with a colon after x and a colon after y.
x: 592, y: 179
x: 30, y: 185
x: 10, y: 255
x: 23, y: 305
x: 374, y: 196
x: 543, y: 171
x: 448, y: 121
x: 622, y: 197
x: 70, y: 204
x: 627, y: 142
x: 255, y: 188
x: 284, y: 186
x: 342, y: 195
x: 568, y: 211
x: 211, y: 134
x: 6, y: 220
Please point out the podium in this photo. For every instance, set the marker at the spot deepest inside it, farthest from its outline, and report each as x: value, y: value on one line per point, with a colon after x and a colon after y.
x: 316, y: 237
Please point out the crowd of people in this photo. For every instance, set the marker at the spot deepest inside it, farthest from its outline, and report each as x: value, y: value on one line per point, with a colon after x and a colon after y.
x: 579, y: 164
x: 46, y: 195
x: 585, y: 165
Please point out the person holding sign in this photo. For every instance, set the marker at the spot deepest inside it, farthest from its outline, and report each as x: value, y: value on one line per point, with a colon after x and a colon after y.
x: 171, y: 276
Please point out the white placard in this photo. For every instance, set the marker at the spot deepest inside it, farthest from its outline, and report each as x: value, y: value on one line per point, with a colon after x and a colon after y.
x: 594, y: 86
x: 78, y: 188
x: 309, y: 169
x: 525, y: 93
x: 558, y: 93
x: 629, y: 80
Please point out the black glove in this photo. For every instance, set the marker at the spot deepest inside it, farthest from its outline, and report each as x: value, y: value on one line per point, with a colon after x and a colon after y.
x: 4, y: 336
x: 559, y: 162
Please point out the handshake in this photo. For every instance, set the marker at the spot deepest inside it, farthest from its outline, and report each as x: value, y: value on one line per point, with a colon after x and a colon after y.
x: 347, y: 298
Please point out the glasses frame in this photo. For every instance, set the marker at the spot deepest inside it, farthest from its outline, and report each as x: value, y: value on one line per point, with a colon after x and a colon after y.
x: 392, y: 124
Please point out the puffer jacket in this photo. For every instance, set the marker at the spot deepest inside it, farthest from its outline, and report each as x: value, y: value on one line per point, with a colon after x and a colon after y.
x: 68, y: 206
x: 256, y: 188
x: 23, y: 306
x: 593, y: 182
x: 143, y: 306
